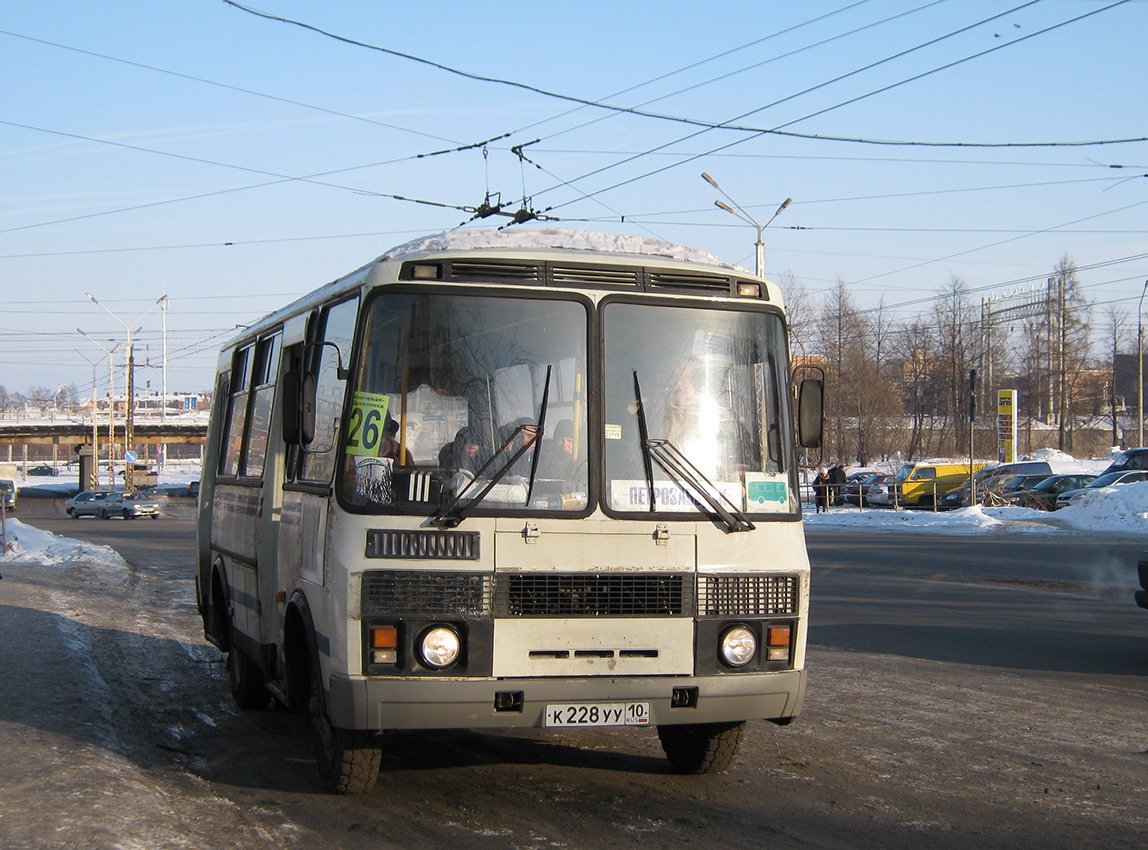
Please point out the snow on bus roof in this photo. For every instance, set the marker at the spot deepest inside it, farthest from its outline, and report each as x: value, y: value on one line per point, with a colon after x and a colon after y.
x: 548, y: 239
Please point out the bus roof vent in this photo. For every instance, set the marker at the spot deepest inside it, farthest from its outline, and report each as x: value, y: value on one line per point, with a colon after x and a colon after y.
x: 594, y: 276
x: 691, y: 281
x: 486, y: 270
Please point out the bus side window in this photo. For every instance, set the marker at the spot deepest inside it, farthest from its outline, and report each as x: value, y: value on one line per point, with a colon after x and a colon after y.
x: 262, y: 399
x: 336, y: 325
x: 232, y: 431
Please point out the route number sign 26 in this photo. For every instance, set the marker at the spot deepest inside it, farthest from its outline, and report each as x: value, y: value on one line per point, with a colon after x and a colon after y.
x: 365, y: 425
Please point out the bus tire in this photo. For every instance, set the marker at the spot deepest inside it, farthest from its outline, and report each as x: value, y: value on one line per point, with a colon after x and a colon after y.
x: 248, y: 686
x: 348, y: 760
x: 702, y: 748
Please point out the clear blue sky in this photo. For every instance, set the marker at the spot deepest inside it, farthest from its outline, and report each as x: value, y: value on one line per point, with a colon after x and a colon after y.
x: 150, y: 148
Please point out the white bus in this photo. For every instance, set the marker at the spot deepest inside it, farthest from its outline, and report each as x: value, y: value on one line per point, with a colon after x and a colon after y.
x: 513, y: 479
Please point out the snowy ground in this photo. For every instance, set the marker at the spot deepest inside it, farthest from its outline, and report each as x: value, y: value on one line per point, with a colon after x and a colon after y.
x: 1111, y: 510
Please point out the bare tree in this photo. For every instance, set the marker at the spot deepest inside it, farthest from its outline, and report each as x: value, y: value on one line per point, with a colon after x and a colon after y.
x: 799, y: 312
x: 955, y: 354
x: 918, y: 339
x: 1073, y: 326
x: 841, y: 329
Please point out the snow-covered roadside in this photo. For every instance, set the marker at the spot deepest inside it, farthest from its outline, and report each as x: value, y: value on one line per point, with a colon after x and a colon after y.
x: 30, y: 545
x: 1119, y: 510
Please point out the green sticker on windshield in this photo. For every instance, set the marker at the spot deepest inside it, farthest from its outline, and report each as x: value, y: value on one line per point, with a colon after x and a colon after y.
x: 365, y: 425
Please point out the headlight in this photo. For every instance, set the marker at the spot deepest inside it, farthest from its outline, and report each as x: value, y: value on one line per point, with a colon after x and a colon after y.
x: 738, y: 646
x: 440, y: 647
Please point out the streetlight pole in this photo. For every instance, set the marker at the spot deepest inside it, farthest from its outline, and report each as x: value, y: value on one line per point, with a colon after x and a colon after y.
x: 94, y: 482
x: 129, y: 468
x: 111, y: 352
x: 1140, y: 362
x: 746, y: 217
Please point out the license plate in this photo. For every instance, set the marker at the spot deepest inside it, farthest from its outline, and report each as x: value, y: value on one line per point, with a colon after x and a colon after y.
x: 598, y: 714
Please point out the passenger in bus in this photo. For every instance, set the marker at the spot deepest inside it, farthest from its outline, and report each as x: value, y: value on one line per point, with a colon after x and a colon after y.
x: 389, y: 446
x: 518, y: 437
x: 557, y: 460
x: 462, y: 458
x: 467, y: 451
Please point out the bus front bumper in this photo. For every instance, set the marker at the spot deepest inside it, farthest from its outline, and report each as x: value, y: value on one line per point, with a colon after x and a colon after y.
x: 438, y: 703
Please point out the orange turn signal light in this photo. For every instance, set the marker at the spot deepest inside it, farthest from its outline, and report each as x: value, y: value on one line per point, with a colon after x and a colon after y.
x: 777, y: 636
x: 384, y: 637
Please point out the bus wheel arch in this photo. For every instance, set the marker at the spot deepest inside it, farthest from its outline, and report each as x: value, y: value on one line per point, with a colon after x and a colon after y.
x: 216, y: 618
x: 298, y: 640
x: 348, y: 759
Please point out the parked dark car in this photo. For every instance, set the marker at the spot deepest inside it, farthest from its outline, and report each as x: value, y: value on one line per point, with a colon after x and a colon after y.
x: 857, y: 492
x: 1111, y: 479
x: 42, y: 469
x: 1042, y: 496
x: 1129, y: 459
x: 998, y: 492
x: 193, y: 489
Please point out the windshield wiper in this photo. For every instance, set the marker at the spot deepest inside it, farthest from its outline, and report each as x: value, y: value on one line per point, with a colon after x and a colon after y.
x: 683, y: 471
x: 450, y: 514
x: 643, y: 440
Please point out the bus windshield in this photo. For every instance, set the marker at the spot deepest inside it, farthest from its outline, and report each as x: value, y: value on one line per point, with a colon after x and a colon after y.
x: 461, y: 398
x: 711, y: 384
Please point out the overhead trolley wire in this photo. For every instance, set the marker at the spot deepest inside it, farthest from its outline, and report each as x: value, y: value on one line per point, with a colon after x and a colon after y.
x: 724, y: 125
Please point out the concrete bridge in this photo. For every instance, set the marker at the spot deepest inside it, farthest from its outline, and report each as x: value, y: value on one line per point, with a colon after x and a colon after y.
x: 62, y: 433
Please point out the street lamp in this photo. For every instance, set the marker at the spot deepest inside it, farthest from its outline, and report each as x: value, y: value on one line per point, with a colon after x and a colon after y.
x: 111, y: 353
x: 1140, y: 362
x: 130, y: 366
x: 746, y: 217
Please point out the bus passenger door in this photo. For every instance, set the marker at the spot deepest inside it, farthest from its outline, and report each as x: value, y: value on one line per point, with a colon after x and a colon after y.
x: 310, y: 460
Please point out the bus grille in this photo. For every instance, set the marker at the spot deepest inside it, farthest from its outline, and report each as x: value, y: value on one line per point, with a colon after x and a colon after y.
x: 440, y: 545
x: 593, y: 595
x: 762, y: 595
x: 426, y: 594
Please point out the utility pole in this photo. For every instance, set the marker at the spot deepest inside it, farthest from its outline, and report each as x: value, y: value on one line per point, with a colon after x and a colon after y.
x: 1140, y: 362
x: 111, y: 410
x: 1062, y: 364
x: 972, y: 425
x: 129, y: 467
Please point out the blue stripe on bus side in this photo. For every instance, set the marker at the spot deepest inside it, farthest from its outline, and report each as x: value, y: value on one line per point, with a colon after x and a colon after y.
x: 323, y: 644
x: 240, y: 597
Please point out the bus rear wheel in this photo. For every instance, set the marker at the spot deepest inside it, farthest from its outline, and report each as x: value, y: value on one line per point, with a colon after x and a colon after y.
x: 348, y: 760
x: 702, y: 747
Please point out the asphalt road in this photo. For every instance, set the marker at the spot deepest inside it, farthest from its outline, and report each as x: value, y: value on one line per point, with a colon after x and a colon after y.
x: 964, y: 692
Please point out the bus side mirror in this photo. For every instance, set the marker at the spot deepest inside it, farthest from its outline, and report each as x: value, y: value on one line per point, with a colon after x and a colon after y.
x: 810, y: 413
x: 298, y: 408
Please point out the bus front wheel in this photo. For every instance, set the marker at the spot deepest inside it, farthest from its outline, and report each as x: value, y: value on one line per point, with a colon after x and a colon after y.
x: 348, y: 759
x: 702, y: 747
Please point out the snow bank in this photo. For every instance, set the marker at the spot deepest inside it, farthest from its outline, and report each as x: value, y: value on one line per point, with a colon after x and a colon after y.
x: 30, y: 545
x: 1119, y: 510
